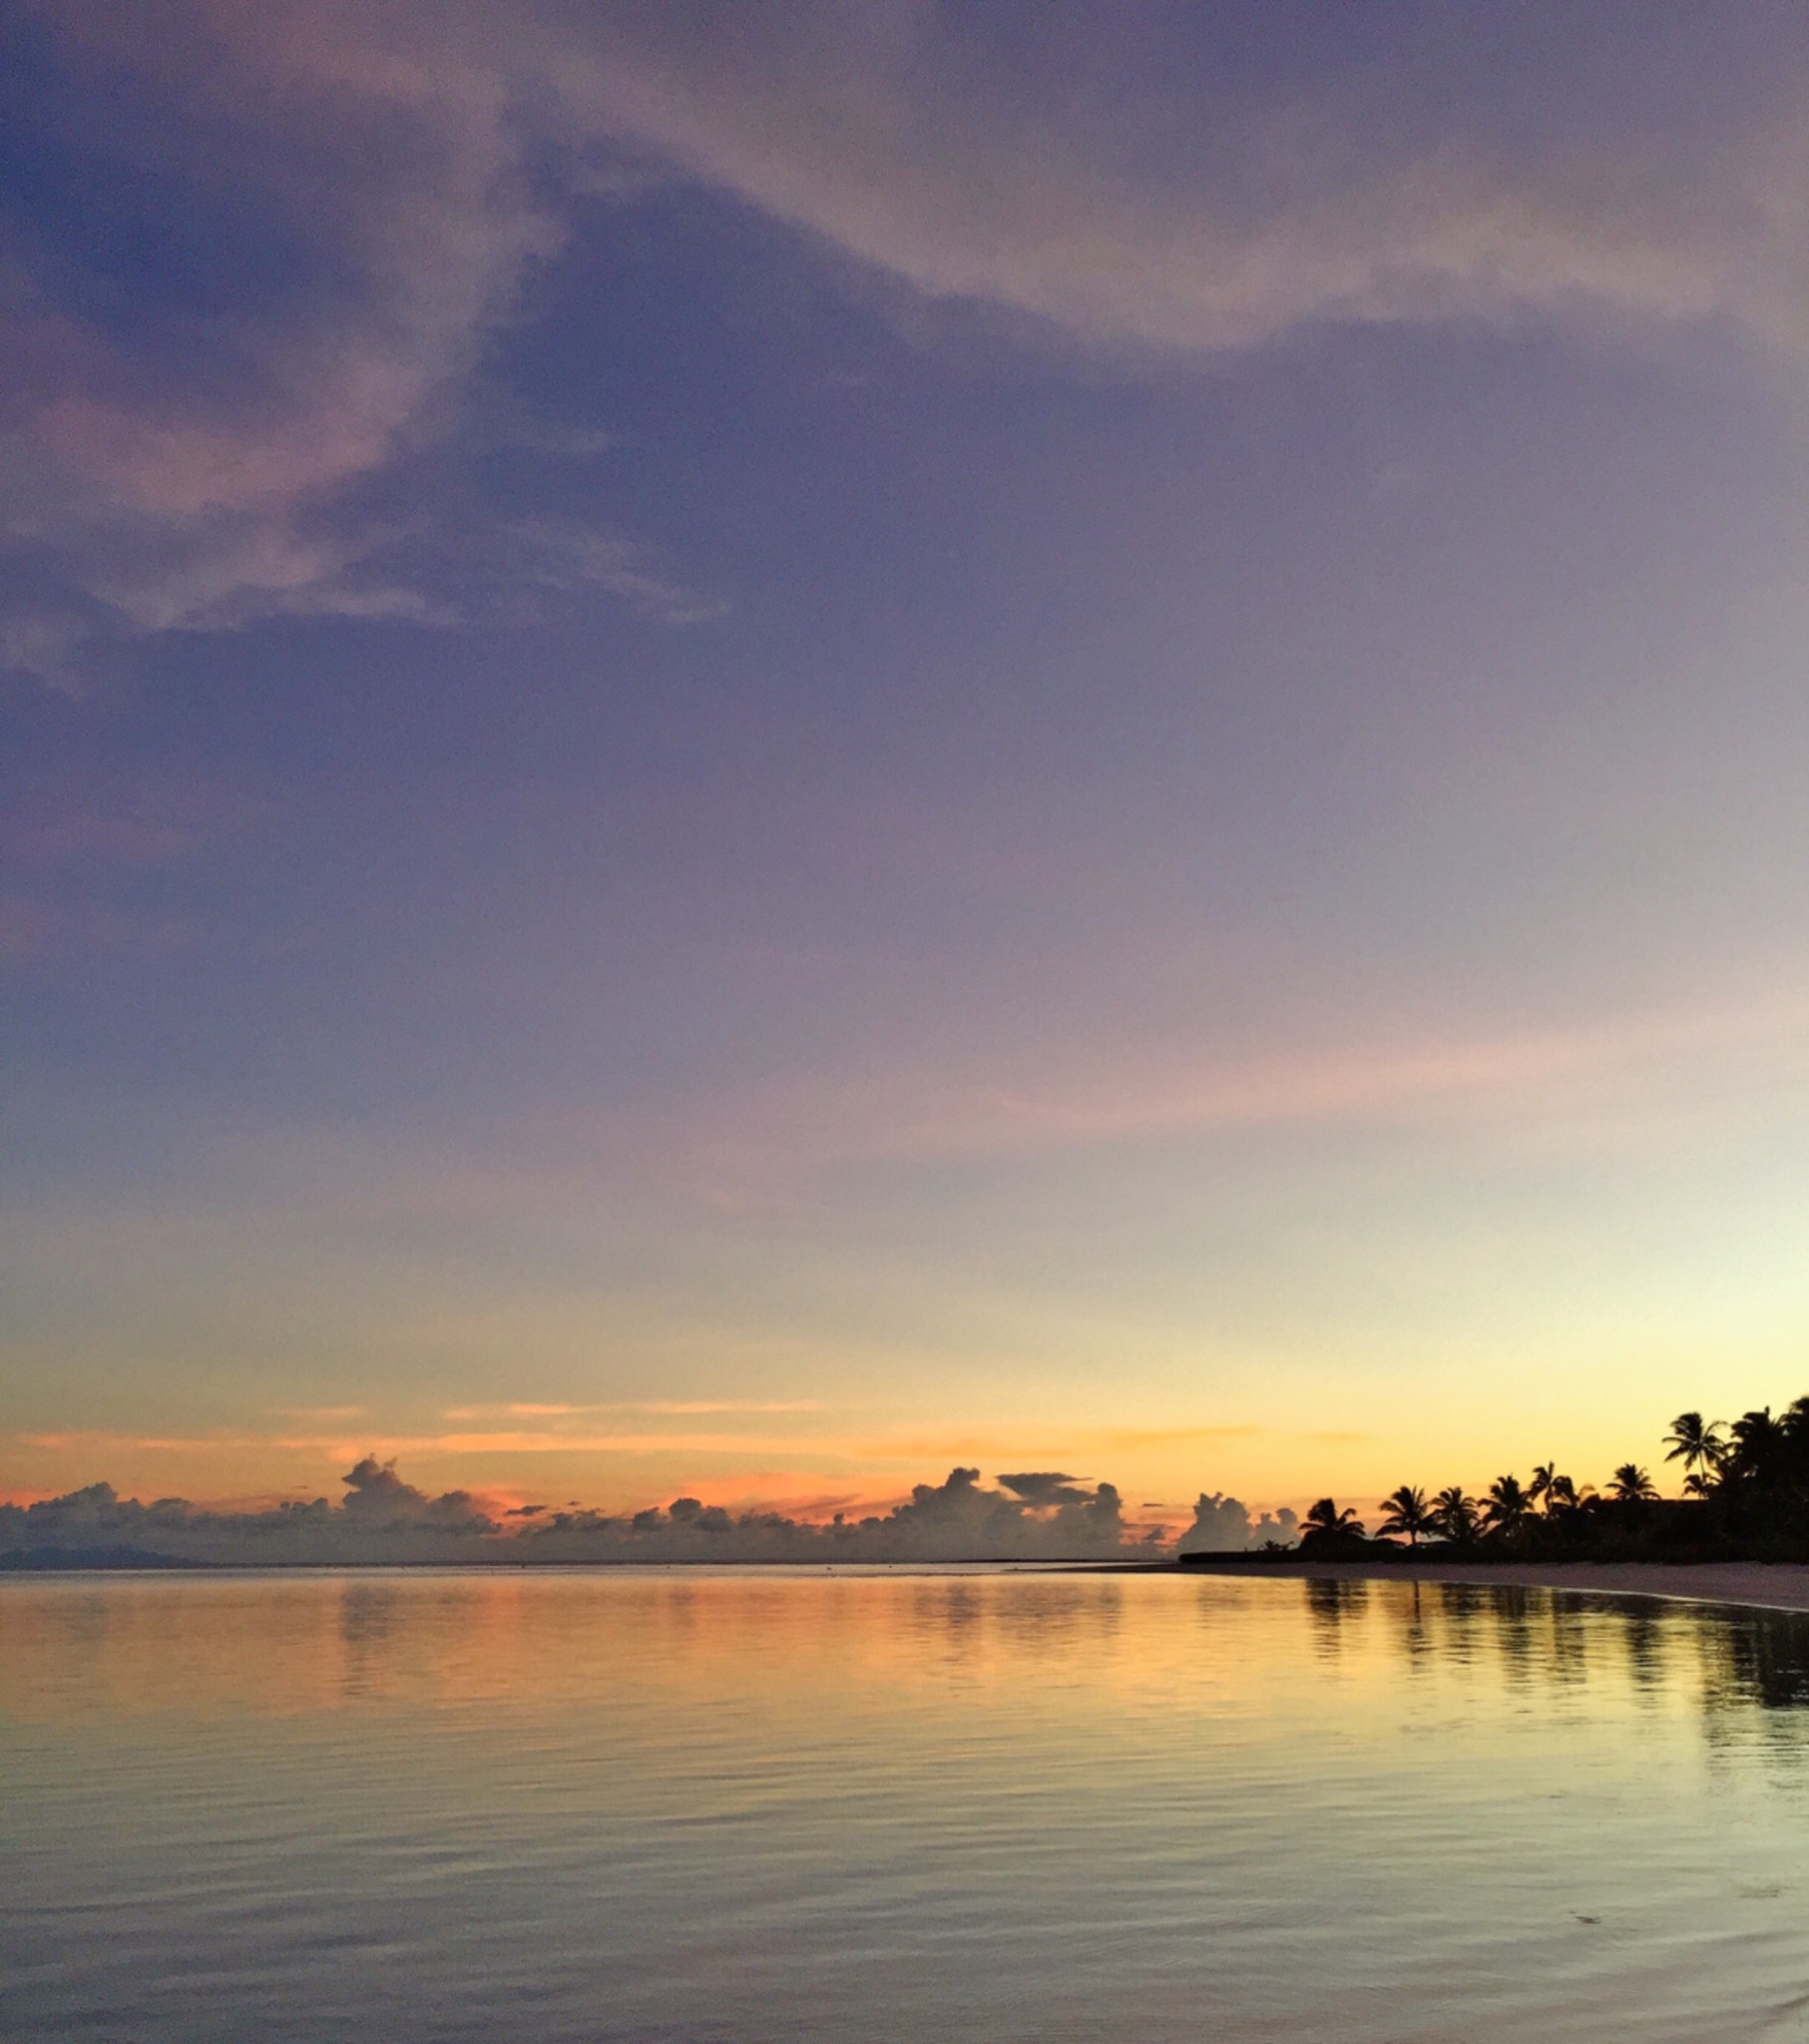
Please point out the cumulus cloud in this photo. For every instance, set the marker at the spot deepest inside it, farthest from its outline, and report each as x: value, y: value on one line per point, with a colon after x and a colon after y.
x: 385, y: 1519
x: 332, y: 209
x: 1222, y: 1524
x: 377, y: 1501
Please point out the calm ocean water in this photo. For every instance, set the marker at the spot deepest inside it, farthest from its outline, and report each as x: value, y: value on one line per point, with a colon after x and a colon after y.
x: 749, y: 1806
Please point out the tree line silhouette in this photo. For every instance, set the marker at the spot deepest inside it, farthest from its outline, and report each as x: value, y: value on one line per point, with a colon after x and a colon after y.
x: 1745, y: 1498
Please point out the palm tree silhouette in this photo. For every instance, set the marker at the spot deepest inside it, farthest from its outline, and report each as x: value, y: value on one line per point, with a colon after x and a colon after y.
x: 1547, y: 1486
x: 1760, y: 1442
x: 1456, y: 1516
x: 1328, y: 1521
x: 1632, y: 1485
x: 1408, y: 1512
x: 1701, y: 1447
x: 1507, y: 1506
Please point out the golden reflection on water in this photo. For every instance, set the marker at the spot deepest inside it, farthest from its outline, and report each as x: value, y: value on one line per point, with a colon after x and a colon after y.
x: 814, y: 1805
x: 290, y: 1644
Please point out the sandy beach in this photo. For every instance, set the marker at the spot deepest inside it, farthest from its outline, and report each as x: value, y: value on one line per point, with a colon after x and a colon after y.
x: 1774, y: 1586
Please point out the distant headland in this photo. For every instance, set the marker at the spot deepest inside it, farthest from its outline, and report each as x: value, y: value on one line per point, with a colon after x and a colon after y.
x: 1745, y: 1499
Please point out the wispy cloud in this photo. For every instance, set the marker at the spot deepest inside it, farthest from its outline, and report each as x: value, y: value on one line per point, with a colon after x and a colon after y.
x: 1597, y: 1080
x: 566, y: 559
x: 201, y: 463
x: 1601, y: 1086
x: 751, y: 1461
x: 877, y: 130
x: 338, y: 1444
x: 679, y: 1406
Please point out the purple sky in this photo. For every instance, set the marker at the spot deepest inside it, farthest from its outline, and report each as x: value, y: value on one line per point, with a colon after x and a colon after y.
x: 749, y: 748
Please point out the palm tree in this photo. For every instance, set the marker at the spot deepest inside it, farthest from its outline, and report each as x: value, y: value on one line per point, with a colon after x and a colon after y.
x: 1456, y: 1516
x: 1507, y: 1506
x: 1757, y: 1441
x: 1701, y: 1447
x: 1408, y: 1512
x: 1326, y: 1520
x: 1554, y: 1489
x: 1632, y: 1485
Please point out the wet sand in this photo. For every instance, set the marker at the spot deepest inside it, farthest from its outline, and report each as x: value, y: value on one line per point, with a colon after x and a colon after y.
x: 1773, y: 1586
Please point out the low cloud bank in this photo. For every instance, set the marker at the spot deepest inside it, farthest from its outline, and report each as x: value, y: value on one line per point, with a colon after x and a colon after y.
x: 1044, y: 1515
x: 1222, y: 1523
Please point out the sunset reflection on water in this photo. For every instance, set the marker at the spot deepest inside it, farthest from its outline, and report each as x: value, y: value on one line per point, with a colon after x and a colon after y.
x: 751, y: 1805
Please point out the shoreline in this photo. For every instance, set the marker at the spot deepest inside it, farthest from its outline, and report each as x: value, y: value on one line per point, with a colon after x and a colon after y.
x: 1759, y: 1585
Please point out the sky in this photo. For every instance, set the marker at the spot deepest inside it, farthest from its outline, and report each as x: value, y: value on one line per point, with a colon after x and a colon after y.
x: 749, y: 750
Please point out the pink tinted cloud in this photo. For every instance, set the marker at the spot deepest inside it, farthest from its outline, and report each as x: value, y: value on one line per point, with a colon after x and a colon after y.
x: 882, y: 132
x: 770, y: 1145
x: 198, y: 502
x: 761, y: 1142
x: 184, y: 500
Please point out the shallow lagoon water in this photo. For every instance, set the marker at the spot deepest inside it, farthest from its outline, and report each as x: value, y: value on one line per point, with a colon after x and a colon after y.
x: 741, y: 1806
